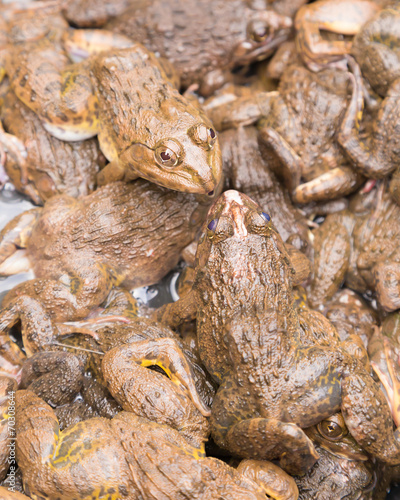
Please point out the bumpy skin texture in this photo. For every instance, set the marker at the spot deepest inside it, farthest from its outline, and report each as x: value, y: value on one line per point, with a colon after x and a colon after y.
x: 248, y: 172
x: 199, y: 37
x: 53, y: 166
x: 120, y: 95
x: 334, y: 478
x: 377, y: 49
x: 114, y: 459
x: 275, y: 376
x: 298, y: 135
x: 374, y: 260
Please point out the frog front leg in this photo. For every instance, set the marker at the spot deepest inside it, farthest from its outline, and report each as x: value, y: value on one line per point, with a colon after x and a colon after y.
x: 173, y: 400
x: 376, y: 156
x: 15, y: 148
x: 257, y: 437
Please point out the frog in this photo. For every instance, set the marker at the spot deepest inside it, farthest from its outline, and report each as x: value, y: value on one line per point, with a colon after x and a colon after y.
x: 343, y: 469
x: 81, y: 249
x: 297, y: 131
x: 52, y: 166
x: 243, y: 292
x: 111, y: 94
x: 343, y: 17
x: 368, y: 230
x: 205, y: 41
x: 376, y: 49
x: 376, y: 155
x: 115, y: 459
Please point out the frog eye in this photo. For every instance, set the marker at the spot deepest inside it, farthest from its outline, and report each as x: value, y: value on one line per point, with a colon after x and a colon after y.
x: 258, y: 30
x: 213, y: 225
x: 168, y: 154
x: 203, y: 135
x: 258, y: 222
x: 330, y: 430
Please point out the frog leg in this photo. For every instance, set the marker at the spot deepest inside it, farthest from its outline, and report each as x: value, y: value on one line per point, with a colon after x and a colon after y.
x: 275, y: 482
x: 368, y: 417
x: 339, y: 181
x: 15, y: 235
x: 14, y: 147
x: 292, y: 165
x: 66, y: 102
x: 173, y: 401
x: 37, y: 430
x: 387, y: 284
x: 257, y: 437
x: 55, y: 376
x: 113, y: 172
x: 373, y: 156
x: 331, y: 260
x: 176, y: 313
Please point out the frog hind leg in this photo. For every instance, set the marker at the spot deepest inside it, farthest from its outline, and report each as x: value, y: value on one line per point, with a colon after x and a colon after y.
x: 257, y: 437
x: 55, y: 376
x: 150, y: 394
x: 368, y: 417
x: 37, y: 430
x: 15, y: 148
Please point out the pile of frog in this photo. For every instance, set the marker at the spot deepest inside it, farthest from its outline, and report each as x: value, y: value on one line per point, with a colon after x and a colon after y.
x: 254, y: 144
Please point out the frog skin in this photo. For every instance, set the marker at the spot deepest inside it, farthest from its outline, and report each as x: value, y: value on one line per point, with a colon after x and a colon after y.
x: 216, y: 37
x: 144, y: 129
x: 372, y: 264
x: 298, y: 125
x: 344, y: 17
x: 243, y: 293
x: 376, y: 155
x: 248, y: 172
x: 105, y: 459
x: 376, y: 49
x: 53, y: 166
x: 81, y: 249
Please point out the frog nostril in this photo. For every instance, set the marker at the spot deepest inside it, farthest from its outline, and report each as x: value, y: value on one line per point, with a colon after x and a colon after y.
x: 211, y: 193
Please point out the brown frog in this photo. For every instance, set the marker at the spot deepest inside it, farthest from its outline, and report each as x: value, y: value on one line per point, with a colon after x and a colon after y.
x: 342, y: 471
x: 127, y: 456
x: 124, y: 96
x: 81, y: 249
x: 298, y: 125
x: 275, y: 376
x: 52, y: 166
x: 344, y: 17
x: 205, y: 40
x: 363, y: 245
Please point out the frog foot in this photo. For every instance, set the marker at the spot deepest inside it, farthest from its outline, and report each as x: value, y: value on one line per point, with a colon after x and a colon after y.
x: 368, y: 417
x: 15, y: 148
x: 147, y: 393
x: 269, y: 439
x: 274, y: 481
x: 339, y: 181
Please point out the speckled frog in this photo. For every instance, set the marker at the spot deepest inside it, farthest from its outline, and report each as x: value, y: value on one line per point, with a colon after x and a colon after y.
x: 276, y: 377
x: 124, y: 96
x: 126, y: 457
